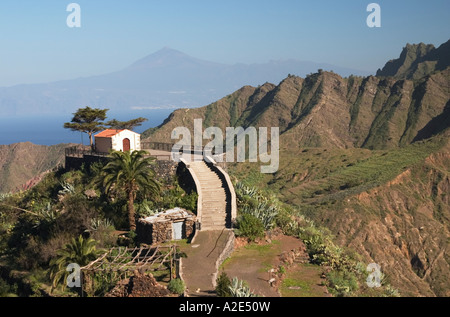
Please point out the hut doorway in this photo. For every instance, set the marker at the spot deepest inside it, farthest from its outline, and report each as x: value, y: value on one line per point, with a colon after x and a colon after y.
x: 177, y: 230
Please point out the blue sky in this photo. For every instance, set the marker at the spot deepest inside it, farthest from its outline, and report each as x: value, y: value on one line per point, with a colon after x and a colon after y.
x: 37, y: 45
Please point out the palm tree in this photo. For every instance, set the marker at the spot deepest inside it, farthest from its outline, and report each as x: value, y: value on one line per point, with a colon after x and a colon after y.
x: 131, y: 172
x: 80, y: 251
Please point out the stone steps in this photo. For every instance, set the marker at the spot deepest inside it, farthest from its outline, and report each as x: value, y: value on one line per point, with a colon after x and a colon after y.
x: 214, y: 200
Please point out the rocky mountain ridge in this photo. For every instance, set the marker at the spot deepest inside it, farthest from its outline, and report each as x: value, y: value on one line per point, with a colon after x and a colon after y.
x: 417, y: 61
x: 326, y: 110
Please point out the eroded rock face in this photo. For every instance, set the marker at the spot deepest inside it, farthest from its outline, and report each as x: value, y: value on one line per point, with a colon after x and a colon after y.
x: 404, y: 226
x: 139, y: 285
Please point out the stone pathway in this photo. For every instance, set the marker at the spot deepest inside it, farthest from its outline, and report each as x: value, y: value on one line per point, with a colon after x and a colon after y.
x: 199, y: 267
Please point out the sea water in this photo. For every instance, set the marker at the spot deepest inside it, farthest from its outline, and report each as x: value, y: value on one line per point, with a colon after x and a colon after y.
x: 48, y: 129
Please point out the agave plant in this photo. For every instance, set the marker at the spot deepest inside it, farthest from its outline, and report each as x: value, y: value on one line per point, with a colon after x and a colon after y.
x: 98, y: 224
x: 264, y: 212
x: 239, y: 288
x: 67, y: 188
x: 243, y: 191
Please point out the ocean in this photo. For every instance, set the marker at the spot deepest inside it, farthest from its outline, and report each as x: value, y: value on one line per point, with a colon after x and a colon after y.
x: 48, y: 130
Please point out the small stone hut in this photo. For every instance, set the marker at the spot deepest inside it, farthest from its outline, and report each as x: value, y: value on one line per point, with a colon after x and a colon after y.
x: 173, y: 224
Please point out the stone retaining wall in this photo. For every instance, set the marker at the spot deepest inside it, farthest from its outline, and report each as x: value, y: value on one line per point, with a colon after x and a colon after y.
x: 226, y: 253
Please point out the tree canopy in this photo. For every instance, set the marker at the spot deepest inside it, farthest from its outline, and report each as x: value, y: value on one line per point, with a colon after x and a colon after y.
x: 129, y: 125
x: 88, y: 120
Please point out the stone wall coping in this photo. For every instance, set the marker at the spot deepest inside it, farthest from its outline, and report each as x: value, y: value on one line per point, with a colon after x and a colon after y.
x: 199, y: 191
x: 169, y: 215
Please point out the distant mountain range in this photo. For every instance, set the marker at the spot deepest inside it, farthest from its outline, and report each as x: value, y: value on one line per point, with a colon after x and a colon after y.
x: 165, y: 79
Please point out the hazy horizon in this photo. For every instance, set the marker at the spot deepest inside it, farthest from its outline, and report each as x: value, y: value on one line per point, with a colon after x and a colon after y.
x: 177, y: 50
x: 39, y: 47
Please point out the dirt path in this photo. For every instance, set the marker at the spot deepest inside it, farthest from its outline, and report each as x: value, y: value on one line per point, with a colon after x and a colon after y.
x: 199, y: 265
x: 252, y: 263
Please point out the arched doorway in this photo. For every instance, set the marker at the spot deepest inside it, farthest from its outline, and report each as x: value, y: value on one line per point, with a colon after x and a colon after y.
x: 126, y: 145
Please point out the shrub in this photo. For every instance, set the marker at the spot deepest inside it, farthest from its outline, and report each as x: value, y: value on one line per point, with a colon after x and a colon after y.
x: 7, y: 290
x: 249, y: 226
x: 284, y: 221
x: 189, y: 201
x: 177, y: 197
x: 102, y: 231
x: 223, y: 285
x: 342, y: 283
x: 176, y: 286
x: 389, y: 291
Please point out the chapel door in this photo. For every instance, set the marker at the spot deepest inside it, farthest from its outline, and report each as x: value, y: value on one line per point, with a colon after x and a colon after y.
x: 126, y: 145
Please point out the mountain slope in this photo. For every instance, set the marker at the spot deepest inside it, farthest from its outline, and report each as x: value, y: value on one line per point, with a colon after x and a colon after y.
x: 164, y: 79
x: 417, y: 61
x: 391, y: 206
x: 22, y: 162
x: 374, y: 113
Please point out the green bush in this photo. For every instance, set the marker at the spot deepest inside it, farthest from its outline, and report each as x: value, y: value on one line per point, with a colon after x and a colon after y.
x: 177, y: 197
x: 223, y: 285
x: 176, y: 286
x: 7, y: 290
x: 342, y: 283
x: 249, y: 226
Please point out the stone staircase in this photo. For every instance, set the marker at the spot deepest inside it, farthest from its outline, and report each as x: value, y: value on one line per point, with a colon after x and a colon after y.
x: 214, y: 214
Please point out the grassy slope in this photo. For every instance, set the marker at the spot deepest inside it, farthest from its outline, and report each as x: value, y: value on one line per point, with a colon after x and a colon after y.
x: 315, y: 175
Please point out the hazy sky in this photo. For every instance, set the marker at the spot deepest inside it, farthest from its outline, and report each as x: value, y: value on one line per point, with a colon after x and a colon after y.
x: 38, y: 46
